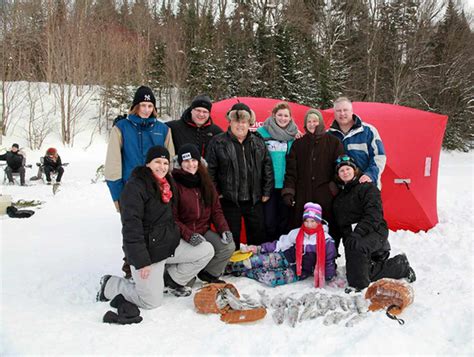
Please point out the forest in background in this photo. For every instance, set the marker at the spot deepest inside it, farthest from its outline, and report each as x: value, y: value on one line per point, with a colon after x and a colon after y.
x: 408, y: 52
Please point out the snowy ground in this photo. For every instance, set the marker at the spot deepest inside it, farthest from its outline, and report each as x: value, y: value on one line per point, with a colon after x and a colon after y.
x: 51, y: 264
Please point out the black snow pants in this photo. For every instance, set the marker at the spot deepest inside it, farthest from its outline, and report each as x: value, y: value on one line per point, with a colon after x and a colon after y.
x: 370, y: 262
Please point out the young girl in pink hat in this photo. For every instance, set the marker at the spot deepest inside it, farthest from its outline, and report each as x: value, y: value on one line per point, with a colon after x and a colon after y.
x: 302, y: 252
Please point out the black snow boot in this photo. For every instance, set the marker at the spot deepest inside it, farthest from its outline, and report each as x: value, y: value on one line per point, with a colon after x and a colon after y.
x: 411, y: 276
x: 100, y: 294
x: 172, y: 287
x: 209, y: 278
x: 111, y: 317
x: 125, y: 308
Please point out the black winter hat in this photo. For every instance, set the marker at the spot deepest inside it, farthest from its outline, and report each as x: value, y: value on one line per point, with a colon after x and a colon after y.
x: 16, y: 146
x: 143, y: 94
x: 188, y: 151
x: 157, y: 151
x: 201, y: 101
x: 345, y: 160
x: 241, y: 106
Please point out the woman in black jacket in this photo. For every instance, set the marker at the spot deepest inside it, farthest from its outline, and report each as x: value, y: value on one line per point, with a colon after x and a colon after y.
x: 151, y: 239
x: 359, y: 215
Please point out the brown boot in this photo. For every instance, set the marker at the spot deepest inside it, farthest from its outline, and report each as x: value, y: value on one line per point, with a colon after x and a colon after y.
x: 126, y: 269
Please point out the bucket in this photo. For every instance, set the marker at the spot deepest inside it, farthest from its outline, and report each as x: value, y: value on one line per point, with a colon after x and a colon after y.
x: 5, y: 201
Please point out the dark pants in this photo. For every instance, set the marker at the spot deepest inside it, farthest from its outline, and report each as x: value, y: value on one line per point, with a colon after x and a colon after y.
x: 276, y: 215
x: 253, y: 218
x: 9, y: 171
x: 368, y: 262
x: 48, y: 170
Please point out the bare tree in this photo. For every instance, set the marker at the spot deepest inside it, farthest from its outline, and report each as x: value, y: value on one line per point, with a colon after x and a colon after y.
x: 40, y: 121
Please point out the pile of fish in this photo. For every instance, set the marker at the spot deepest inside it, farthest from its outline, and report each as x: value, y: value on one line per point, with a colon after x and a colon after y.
x: 312, y: 305
x: 227, y: 297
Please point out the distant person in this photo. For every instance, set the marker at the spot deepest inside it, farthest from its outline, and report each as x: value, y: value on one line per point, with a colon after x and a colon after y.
x: 310, y: 171
x: 359, y: 215
x: 195, y: 125
x: 279, y: 132
x: 241, y: 167
x: 130, y: 139
x: 15, y: 164
x: 52, y: 163
x: 197, y: 207
x: 151, y: 239
x: 361, y: 141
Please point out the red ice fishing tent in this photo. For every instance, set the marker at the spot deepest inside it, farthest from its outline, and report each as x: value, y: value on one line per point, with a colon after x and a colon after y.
x: 412, y: 140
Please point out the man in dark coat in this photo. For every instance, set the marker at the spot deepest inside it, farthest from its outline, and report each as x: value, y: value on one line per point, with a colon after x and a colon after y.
x: 15, y: 163
x: 241, y: 167
x: 310, y: 171
x: 195, y: 125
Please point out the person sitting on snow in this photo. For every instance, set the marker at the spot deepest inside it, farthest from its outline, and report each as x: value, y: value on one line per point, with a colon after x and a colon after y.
x: 302, y: 252
x: 15, y: 163
x: 52, y: 163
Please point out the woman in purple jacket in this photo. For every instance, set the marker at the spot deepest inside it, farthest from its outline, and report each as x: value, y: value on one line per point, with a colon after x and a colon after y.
x: 302, y: 252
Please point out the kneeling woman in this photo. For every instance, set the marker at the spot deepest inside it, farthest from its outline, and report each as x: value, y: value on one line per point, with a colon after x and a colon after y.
x: 197, y: 207
x: 359, y: 215
x: 295, y: 256
x: 151, y: 238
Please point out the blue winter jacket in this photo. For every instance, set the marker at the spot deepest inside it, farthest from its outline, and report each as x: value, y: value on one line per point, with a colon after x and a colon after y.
x: 138, y: 136
x: 364, y: 145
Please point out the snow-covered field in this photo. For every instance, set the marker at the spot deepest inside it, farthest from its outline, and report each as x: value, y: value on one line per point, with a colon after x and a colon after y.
x: 51, y: 264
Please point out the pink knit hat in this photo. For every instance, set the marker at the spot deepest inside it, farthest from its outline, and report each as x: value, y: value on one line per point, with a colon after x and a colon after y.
x: 314, y: 211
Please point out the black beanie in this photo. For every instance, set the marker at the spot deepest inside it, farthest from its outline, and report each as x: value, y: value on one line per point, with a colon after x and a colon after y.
x: 143, y: 94
x: 201, y: 101
x: 16, y: 146
x: 241, y: 106
x: 157, y: 151
x: 345, y: 160
x: 188, y: 151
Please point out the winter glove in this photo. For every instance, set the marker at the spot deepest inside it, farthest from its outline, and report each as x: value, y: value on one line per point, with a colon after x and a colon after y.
x: 196, y: 239
x: 333, y: 189
x: 255, y: 249
x: 289, y: 199
x: 227, y: 237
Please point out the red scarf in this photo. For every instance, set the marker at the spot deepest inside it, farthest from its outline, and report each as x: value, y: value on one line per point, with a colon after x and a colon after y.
x: 320, y: 267
x: 165, y: 189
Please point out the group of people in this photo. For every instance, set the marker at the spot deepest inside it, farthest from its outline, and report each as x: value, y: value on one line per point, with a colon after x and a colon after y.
x: 16, y: 162
x: 299, y: 194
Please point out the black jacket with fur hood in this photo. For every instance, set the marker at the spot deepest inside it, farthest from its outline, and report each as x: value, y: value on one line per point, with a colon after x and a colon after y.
x: 149, y: 231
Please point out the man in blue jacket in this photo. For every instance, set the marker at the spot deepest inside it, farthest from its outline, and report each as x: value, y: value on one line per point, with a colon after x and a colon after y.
x: 361, y: 141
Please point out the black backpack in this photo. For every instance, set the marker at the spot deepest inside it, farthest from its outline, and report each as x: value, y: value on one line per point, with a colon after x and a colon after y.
x: 13, y: 212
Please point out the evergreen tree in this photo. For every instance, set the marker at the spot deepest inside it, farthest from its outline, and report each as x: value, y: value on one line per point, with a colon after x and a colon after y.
x: 453, y: 77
